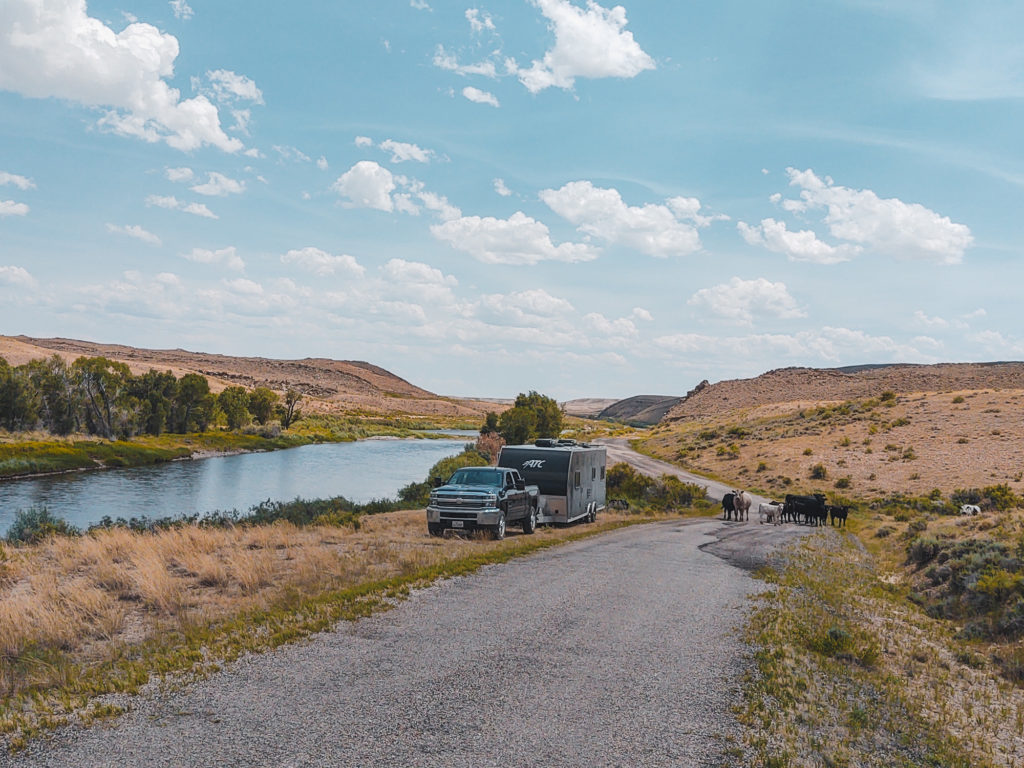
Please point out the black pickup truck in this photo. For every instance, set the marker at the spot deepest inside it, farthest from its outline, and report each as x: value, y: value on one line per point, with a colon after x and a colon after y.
x: 489, y: 498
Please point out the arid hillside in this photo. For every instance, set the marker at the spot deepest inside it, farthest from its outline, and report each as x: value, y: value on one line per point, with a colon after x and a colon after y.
x: 329, y: 385
x: 862, y: 433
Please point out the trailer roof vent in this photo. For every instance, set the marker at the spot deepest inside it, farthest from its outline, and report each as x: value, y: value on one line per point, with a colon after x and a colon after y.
x: 546, y: 442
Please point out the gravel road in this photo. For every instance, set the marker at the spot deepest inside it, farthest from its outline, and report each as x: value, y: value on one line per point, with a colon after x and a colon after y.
x: 618, y: 650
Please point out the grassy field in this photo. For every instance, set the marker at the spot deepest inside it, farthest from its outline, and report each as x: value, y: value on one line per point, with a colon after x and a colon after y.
x: 85, y: 616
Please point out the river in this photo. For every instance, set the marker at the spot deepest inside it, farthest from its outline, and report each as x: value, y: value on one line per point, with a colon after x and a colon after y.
x: 359, y: 471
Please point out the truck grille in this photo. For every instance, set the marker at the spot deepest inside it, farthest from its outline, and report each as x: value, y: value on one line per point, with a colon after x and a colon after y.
x: 460, y: 502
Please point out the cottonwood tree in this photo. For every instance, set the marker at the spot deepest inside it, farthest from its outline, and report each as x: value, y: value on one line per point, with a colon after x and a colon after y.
x: 103, y: 384
x: 289, y: 413
x: 234, y: 402
x: 261, y: 404
x: 533, y: 415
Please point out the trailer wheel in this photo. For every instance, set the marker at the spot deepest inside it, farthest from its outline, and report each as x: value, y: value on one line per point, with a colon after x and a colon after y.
x: 530, y: 523
x: 499, y: 529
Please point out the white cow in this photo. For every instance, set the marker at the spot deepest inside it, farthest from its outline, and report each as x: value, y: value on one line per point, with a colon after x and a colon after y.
x: 970, y: 509
x: 741, y: 503
x: 770, y: 512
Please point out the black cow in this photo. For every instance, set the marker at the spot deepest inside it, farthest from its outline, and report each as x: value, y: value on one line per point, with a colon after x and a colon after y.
x: 838, y: 513
x: 727, y: 505
x: 807, y: 509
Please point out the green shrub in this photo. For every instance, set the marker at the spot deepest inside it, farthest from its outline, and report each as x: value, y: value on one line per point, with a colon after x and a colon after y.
x: 35, y: 524
x: 1001, y: 497
x: 644, y: 492
x: 843, y: 482
x: 958, y: 399
x: 818, y: 472
x: 923, y: 549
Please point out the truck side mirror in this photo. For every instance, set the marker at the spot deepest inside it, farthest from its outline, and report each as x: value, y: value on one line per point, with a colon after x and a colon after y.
x: 520, y: 484
x: 437, y: 481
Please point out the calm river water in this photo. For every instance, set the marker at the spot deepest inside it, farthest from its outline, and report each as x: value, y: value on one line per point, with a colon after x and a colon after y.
x: 358, y: 471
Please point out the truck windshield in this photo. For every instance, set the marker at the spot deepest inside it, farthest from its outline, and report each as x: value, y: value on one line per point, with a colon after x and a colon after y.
x: 476, y: 476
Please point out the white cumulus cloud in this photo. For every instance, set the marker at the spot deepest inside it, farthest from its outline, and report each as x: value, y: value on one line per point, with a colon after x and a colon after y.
x: 401, y: 152
x: 54, y: 49
x: 12, y: 208
x: 888, y: 226
x: 219, y: 185
x: 657, y: 230
x: 172, y: 203
x: 590, y: 42
x: 479, y: 20
x: 229, y: 86
x: 322, y: 263
x: 443, y: 59
x: 742, y: 300
x: 797, y: 246
x: 367, y: 185
x: 182, y: 10
x: 518, y: 239
x: 21, y: 182
x: 12, y: 275
x: 227, y: 256
x: 179, y: 174
x: 134, y: 230
x: 480, y: 97
x: 501, y: 188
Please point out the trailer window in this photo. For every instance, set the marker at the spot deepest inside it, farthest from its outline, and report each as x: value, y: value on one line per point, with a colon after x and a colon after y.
x: 593, y: 472
x: 576, y: 479
x: 602, y: 473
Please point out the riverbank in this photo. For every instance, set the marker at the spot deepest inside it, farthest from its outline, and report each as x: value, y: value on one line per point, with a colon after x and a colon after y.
x: 37, y: 454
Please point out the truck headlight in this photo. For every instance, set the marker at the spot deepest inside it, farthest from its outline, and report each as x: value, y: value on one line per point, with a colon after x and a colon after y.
x: 491, y: 500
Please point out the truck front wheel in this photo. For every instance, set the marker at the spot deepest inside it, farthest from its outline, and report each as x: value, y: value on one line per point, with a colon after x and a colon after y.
x: 499, y: 529
x: 435, y: 529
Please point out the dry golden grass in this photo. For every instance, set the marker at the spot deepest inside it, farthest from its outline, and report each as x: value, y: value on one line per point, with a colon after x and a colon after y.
x: 91, y: 596
x: 915, y: 443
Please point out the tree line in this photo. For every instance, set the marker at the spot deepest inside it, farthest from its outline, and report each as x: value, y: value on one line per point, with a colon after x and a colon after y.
x: 99, y: 396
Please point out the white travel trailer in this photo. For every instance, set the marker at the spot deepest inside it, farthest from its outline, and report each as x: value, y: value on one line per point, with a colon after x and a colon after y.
x: 569, y: 475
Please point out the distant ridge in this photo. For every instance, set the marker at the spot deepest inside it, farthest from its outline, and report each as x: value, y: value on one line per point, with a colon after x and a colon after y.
x: 334, y: 385
x: 785, y: 385
x: 640, y: 410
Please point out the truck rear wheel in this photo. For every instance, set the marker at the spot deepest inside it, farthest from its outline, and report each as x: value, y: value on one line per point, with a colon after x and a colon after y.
x: 530, y: 523
x: 499, y: 529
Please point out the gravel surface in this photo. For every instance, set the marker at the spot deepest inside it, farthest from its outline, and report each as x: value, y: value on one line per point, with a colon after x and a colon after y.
x: 619, y: 650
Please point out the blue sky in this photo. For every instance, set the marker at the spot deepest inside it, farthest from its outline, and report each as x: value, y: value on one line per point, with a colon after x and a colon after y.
x: 561, y: 195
